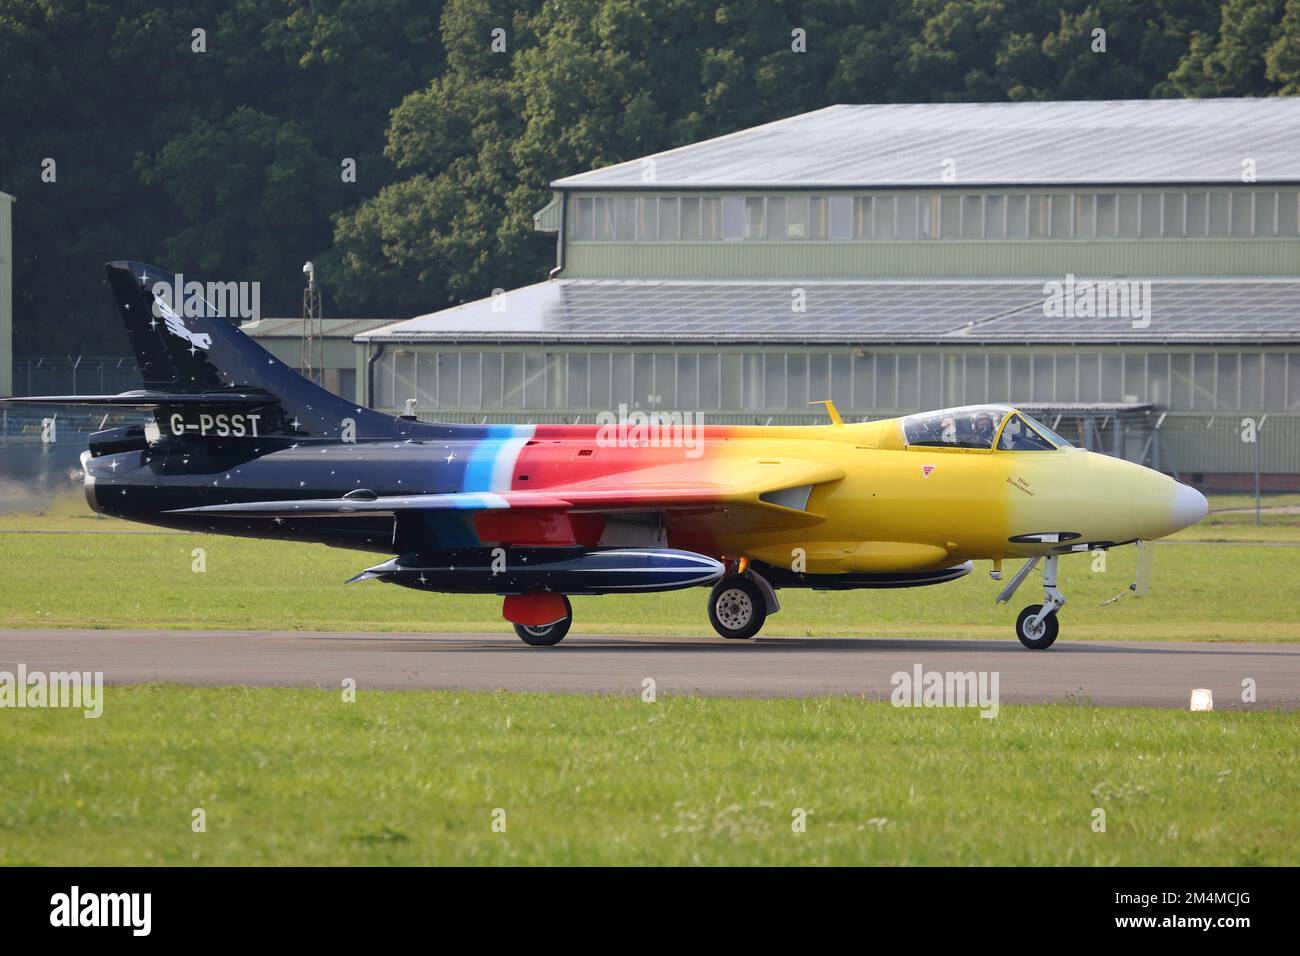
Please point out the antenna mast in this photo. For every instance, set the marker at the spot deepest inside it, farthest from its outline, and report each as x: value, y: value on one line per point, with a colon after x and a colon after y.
x: 312, y: 349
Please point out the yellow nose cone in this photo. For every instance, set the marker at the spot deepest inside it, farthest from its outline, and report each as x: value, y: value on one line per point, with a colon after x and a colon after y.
x: 1162, y: 506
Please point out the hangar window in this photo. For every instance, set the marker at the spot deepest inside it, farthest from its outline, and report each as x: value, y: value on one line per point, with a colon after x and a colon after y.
x: 1107, y: 216
x: 841, y: 217
x: 585, y: 225
x: 624, y: 218
x: 1243, y: 214
x: 1173, y: 214
x: 1196, y: 214
x: 928, y: 217
x: 1084, y: 216
x: 1265, y: 213
x: 906, y: 217
x: 1150, y: 220
x: 668, y: 219
x: 1061, y: 224
x: 647, y: 223
x: 1220, y: 216
x: 796, y: 218
x: 1237, y: 213
x: 776, y: 217
x: 817, y: 217
x: 863, y: 224
x: 949, y: 217
x: 1038, y: 217
x: 690, y: 217
x: 754, y: 208
x: 733, y: 217
x: 972, y: 217
x: 884, y: 217
x: 711, y: 218
x: 1286, y: 214
x: 604, y: 217
x: 1130, y: 215
x: 1017, y: 217
x: 995, y: 215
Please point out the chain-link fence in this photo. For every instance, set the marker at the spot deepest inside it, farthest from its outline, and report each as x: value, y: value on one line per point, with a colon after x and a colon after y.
x: 75, y: 375
x: 40, y: 450
x: 1230, y: 444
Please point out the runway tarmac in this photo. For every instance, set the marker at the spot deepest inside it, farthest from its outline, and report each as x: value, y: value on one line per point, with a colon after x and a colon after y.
x: 1155, y: 674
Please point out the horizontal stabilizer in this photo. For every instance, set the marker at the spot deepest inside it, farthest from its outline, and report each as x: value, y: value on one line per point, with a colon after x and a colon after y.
x: 151, y: 398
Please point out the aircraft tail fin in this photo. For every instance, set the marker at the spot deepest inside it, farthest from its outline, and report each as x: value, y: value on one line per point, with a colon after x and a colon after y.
x: 191, y: 356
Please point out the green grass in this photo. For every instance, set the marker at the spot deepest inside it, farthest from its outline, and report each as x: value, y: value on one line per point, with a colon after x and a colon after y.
x: 300, y: 777
x: 1223, y: 590
x: 1220, y: 502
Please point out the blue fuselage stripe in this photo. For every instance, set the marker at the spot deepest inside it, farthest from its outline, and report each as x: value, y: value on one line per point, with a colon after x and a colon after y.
x: 500, y: 440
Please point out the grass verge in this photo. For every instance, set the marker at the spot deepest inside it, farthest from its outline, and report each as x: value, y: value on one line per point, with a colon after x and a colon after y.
x: 300, y: 777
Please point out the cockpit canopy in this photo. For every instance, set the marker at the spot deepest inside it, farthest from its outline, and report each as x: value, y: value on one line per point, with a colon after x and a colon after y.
x: 980, y: 426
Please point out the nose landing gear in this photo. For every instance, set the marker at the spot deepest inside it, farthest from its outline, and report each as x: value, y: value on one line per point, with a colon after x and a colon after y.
x: 1037, y: 625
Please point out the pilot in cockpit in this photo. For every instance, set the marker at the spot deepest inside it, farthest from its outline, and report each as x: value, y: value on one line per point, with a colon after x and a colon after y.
x: 983, y: 427
x: 948, y: 430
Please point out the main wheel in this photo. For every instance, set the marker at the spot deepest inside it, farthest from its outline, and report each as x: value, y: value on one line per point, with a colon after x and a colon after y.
x: 547, y: 634
x: 737, y: 608
x: 1040, y: 637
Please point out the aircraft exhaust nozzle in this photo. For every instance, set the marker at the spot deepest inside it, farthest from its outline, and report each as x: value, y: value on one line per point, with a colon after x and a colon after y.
x: 88, y: 481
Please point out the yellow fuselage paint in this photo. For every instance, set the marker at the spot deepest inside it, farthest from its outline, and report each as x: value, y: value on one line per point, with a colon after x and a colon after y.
x: 901, y: 508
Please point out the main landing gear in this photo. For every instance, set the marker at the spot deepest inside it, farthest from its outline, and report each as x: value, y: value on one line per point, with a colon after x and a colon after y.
x: 737, y: 607
x: 1037, y: 625
x: 554, y: 610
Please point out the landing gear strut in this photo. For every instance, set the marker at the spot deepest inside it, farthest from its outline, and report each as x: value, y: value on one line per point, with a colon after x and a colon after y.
x: 1037, y: 625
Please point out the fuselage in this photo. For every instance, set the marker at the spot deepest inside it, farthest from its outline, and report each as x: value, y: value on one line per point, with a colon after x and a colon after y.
x: 898, y: 507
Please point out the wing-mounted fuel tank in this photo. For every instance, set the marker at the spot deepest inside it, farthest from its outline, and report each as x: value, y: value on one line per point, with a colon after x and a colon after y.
x: 560, y: 570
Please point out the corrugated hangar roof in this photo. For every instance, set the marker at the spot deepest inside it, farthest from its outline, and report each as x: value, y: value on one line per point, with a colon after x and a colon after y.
x: 585, y: 311
x: 1014, y: 144
x: 292, y: 328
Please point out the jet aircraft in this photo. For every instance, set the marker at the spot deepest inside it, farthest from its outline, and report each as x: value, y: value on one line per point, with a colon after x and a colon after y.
x: 241, y: 444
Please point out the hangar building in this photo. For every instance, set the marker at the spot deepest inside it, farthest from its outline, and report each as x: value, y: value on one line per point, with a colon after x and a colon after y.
x: 337, y: 353
x: 907, y: 257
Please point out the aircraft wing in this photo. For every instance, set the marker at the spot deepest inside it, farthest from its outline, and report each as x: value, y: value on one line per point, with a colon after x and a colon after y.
x: 757, y: 494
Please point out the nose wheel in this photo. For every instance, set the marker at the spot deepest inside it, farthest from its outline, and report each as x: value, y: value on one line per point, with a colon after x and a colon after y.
x: 1035, y: 631
x: 1037, y: 625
